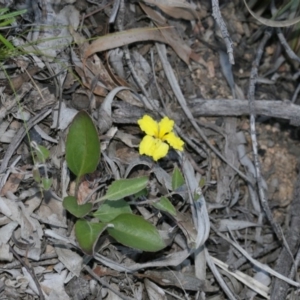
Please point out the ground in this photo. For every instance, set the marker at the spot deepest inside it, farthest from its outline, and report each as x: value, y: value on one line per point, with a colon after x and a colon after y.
x: 86, y: 214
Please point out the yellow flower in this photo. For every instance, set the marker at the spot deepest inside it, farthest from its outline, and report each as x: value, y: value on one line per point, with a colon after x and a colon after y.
x: 153, y: 144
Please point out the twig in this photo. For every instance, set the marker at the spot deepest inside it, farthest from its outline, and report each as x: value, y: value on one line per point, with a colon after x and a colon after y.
x: 251, y: 93
x: 125, y: 113
x: 286, y: 46
x: 47, y: 262
x: 285, y: 261
x: 19, y: 137
x: 105, y: 284
x: 295, y: 266
x: 281, y: 37
x: 148, y: 103
x: 255, y: 262
x: 219, y: 20
x: 264, y: 201
x: 218, y: 277
x: 256, y: 254
x: 171, y: 78
x: 223, y: 107
x: 295, y: 95
x: 29, y: 270
x: 226, y: 174
x: 12, y: 100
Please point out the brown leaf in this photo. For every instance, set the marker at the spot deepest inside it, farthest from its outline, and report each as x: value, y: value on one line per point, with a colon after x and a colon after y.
x: 176, y: 9
x: 171, y: 36
x: 173, y: 278
x: 13, y: 181
x: 165, y: 35
x: 15, y: 83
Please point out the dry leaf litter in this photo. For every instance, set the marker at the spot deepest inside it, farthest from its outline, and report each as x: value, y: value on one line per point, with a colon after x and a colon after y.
x: 72, y: 65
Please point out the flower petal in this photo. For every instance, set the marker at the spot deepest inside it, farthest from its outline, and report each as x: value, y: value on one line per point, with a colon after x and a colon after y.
x: 153, y: 147
x: 147, y: 145
x: 175, y: 141
x: 148, y: 125
x: 161, y: 150
x: 165, y: 126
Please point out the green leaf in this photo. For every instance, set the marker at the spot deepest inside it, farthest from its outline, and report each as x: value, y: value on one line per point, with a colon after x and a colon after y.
x: 82, y: 146
x: 11, y: 14
x: 36, y: 175
x: 202, y: 182
x: 133, y: 231
x: 124, y: 187
x: 143, y: 192
x: 42, y: 153
x: 46, y: 183
x: 177, y: 179
x: 87, y: 234
x: 6, y: 42
x: 164, y: 204
x: 3, y: 10
x: 79, y: 211
x: 111, y: 209
x: 7, y: 22
x: 9, y: 17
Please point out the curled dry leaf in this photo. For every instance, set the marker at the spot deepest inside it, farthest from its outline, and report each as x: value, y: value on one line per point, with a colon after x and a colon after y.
x: 104, y: 121
x: 272, y: 23
x: 104, y: 113
x: 93, y: 74
x: 171, y: 36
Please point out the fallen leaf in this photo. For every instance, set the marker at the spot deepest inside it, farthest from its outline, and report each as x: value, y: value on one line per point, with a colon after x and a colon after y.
x: 176, y: 9
x: 164, y: 35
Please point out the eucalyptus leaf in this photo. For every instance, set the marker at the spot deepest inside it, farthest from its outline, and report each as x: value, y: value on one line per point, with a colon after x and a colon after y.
x: 124, y: 187
x: 135, y: 232
x: 87, y: 234
x: 111, y: 209
x: 177, y: 179
x: 165, y: 205
x: 79, y: 211
x: 82, y: 146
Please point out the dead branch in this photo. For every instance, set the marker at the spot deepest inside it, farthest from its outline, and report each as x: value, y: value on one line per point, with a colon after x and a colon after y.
x: 126, y: 113
x: 272, y: 108
x: 223, y: 28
